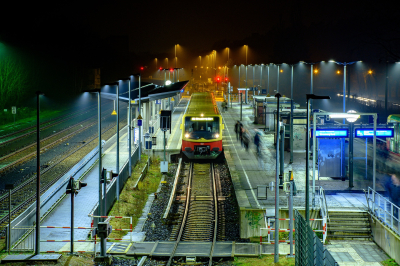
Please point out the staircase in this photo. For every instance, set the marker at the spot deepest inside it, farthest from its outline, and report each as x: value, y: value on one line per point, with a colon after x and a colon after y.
x: 348, y: 225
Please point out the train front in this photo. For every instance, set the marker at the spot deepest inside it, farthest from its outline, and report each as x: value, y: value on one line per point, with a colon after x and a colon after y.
x: 202, y: 136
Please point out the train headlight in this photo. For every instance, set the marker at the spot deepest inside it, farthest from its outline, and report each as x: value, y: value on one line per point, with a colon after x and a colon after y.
x: 186, y: 135
x: 216, y: 135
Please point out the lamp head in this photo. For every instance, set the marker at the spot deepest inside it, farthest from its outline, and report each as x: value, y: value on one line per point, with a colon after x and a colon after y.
x: 317, y: 97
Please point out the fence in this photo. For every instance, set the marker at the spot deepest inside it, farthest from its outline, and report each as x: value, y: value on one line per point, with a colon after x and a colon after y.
x: 309, y: 249
x: 384, y: 210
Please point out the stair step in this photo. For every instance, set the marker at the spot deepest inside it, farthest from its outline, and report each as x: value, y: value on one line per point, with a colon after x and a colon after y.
x: 353, y: 214
x: 347, y: 219
x: 355, y: 223
x: 339, y: 237
x: 330, y: 229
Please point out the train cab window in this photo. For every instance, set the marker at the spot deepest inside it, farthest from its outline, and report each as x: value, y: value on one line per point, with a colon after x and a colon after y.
x: 202, y: 128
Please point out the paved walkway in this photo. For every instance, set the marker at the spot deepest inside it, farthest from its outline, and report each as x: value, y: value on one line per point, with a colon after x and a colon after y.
x: 84, y: 201
x: 254, y: 171
x: 174, y: 139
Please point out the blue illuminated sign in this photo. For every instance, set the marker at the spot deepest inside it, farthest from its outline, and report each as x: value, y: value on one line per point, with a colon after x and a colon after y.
x: 369, y: 132
x: 331, y: 133
x: 158, y: 101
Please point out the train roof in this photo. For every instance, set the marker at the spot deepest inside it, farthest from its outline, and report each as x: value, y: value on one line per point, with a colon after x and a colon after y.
x: 202, y: 103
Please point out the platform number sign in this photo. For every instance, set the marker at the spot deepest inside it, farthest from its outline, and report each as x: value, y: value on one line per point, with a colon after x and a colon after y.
x: 14, y: 110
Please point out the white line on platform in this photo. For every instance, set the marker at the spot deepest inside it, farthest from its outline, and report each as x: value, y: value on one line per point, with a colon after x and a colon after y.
x: 247, y: 178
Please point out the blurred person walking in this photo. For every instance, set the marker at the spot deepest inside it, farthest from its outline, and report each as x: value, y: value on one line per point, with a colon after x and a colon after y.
x: 392, y: 186
x: 237, y: 130
x: 246, y: 139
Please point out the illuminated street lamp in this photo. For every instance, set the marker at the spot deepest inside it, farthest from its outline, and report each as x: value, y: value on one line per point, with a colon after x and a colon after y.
x: 37, y: 251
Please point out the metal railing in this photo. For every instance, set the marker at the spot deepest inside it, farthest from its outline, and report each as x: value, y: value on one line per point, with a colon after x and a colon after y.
x: 384, y: 210
x: 323, y: 203
x: 309, y: 249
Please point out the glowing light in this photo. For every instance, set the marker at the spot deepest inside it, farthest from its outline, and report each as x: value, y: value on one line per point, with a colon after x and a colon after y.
x: 216, y: 135
x: 168, y: 82
x: 201, y: 119
x: 316, y: 71
x: 370, y: 71
x: 281, y: 71
x: 352, y: 119
x: 338, y: 72
x: 186, y: 135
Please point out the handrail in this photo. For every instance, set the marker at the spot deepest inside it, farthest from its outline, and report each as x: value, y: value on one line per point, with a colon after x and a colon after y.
x: 323, y: 203
x: 388, y: 214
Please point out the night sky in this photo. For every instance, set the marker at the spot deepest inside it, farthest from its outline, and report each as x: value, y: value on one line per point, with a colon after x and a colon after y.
x: 120, y: 36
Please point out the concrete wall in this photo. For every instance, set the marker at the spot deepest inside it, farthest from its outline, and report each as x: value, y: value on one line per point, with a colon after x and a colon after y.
x: 386, y: 238
x: 252, y: 220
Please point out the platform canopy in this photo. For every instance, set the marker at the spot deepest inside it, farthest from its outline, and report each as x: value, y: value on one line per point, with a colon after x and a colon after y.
x: 150, y: 92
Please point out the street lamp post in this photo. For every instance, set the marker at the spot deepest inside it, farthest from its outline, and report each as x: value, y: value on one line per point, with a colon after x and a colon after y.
x: 37, y: 251
x: 309, y: 96
x: 276, y: 246
x: 268, y: 80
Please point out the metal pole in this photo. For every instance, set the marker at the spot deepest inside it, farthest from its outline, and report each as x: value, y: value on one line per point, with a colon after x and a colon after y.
x: 37, y: 251
x: 351, y: 140
x: 100, y: 164
x: 291, y: 117
x: 117, y: 166
x: 282, y: 156
x: 277, y: 85
x: 374, y: 155
x: 129, y: 129
x: 312, y: 85
x: 276, y: 245
x: 268, y: 81
x: 291, y: 215
x: 164, y: 146
x: 307, y: 170
x: 239, y: 78
x: 261, y: 78
x: 253, y: 81
x: 314, y: 158
x: 9, y: 221
x: 241, y: 104
x: 72, y: 214
x: 140, y: 112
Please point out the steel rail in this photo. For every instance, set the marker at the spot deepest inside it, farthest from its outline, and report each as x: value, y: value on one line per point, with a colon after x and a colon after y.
x: 184, y: 216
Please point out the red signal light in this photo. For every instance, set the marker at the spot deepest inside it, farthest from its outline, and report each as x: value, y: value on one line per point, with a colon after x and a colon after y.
x: 226, y: 79
x: 141, y: 68
x: 171, y: 69
x: 160, y: 68
x: 218, y: 79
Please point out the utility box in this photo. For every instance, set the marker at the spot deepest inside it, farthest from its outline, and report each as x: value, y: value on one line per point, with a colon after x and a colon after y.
x: 164, y: 166
x: 104, y: 229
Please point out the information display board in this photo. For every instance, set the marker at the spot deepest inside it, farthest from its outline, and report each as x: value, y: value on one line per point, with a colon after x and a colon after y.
x: 331, y: 133
x: 369, y: 132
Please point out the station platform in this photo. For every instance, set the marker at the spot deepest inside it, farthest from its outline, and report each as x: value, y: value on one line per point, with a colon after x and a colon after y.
x: 173, y: 139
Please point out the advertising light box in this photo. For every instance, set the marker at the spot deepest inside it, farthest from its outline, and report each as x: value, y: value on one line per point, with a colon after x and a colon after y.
x: 369, y: 132
x: 331, y: 133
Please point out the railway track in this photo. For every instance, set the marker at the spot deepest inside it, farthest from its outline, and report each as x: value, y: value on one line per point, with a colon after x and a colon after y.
x: 198, y: 211
x: 14, y: 159
x: 25, y: 194
x: 6, y: 139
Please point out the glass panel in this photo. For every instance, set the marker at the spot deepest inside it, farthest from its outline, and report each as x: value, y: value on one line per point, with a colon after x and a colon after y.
x: 202, y: 127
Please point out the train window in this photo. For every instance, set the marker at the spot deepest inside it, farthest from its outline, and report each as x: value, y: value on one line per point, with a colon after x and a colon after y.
x: 202, y: 128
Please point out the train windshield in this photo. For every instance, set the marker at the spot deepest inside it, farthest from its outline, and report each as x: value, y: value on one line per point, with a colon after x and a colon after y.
x: 202, y: 127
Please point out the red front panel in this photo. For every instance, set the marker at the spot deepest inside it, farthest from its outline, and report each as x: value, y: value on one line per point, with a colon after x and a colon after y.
x: 214, y: 144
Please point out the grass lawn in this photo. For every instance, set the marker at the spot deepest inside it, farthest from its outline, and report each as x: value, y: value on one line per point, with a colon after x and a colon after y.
x: 131, y: 202
x: 263, y: 260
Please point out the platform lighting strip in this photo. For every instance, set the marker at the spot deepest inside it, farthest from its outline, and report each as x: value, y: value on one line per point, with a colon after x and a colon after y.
x: 202, y: 119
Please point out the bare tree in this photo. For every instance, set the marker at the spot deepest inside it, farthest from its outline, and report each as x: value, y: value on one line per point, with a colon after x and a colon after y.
x: 13, y: 80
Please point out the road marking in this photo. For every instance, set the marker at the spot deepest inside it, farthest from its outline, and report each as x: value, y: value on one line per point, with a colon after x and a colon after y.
x: 245, y: 173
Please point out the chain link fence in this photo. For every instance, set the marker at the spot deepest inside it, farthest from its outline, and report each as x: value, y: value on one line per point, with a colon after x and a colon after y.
x: 309, y: 249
